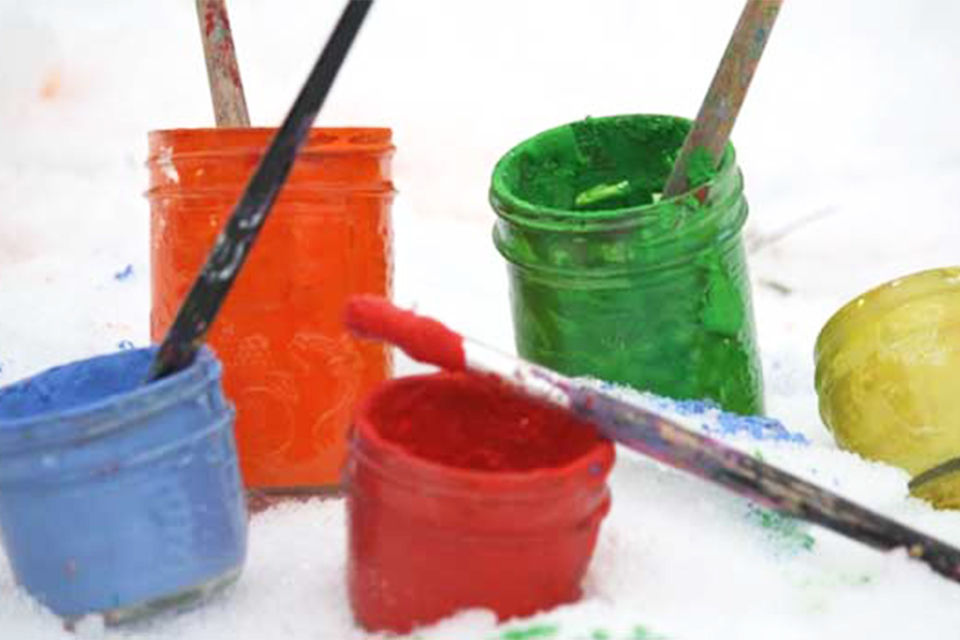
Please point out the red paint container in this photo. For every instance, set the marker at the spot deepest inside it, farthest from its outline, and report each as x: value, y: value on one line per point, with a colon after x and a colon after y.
x: 462, y: 493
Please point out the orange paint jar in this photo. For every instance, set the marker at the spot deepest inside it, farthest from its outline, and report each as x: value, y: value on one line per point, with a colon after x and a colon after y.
x: 290, y: 367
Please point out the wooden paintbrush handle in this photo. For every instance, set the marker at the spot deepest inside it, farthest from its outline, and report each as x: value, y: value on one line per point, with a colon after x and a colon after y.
x: 233, y: 245
x: 720, y: 107
x: 226, y: 89
x: 765, y: 484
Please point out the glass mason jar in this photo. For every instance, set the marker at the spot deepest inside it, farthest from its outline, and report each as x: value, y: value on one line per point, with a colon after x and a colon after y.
x: 513, y: 540
x: 888, y: 370
x: 611, y: 281
x: 290, y: 366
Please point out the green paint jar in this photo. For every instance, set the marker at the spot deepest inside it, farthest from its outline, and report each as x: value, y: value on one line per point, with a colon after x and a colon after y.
x: 610, y: 281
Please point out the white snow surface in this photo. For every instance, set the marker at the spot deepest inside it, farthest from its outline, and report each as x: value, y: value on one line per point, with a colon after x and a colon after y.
x: 851, y: 152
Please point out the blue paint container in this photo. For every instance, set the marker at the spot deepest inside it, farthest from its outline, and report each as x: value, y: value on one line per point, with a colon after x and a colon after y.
x: 118, y: 497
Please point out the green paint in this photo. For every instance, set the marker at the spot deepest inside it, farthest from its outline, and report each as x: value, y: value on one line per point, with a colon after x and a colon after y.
x: 701, y: 167
x: 639, y: 632
x: 600, y: 163
x: 642, y: 633
x: 602, y: 192
x: 629, y: 288
x: 789, y: 532
x: 540, y: 631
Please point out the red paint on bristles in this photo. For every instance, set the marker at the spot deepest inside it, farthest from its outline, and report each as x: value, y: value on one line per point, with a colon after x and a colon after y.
x: 423, y: 339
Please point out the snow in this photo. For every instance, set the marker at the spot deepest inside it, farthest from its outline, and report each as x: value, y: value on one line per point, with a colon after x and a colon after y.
x: 848, y: 142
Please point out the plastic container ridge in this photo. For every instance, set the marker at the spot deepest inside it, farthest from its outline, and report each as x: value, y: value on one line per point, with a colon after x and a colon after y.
x: 116, y: 497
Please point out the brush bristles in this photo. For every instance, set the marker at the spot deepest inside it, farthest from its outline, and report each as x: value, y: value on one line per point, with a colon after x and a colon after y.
x: 423, y: 339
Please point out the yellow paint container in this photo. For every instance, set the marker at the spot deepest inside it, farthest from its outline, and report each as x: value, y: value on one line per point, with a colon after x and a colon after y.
x: 888, y: 371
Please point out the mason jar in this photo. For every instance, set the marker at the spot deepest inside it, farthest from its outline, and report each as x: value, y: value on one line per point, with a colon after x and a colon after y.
x: 610, y: 280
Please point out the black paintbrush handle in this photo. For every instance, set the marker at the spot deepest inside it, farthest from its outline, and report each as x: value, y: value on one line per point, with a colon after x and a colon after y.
x: 767, y: 485
x: 200, y: 307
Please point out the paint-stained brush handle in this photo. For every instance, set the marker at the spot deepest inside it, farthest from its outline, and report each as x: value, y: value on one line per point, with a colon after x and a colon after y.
x: 223, y: 73
x: 660, y: 438
x: 718, y: 112
x: 200, y: 307
x: 650, y: 432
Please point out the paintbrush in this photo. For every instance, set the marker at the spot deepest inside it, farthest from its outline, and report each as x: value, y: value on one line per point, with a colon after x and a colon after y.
x: 200, y: 307
x: 707, y: 139
x: 649, y: 431
x: 223, y: 73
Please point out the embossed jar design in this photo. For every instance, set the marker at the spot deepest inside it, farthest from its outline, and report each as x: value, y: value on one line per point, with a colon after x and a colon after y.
x: 290, y: 367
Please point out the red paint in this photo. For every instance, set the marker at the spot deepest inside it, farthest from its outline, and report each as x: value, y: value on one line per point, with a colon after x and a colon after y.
x: 478, y: 423
x: 423, y: 339
x: 434, y: 529
x: 209, y: 17
x: 216, y: 27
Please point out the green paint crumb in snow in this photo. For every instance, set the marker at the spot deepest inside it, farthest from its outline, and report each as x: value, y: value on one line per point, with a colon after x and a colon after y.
x: 540, y: 631
x: 784, y: 528
x: 642, y: 633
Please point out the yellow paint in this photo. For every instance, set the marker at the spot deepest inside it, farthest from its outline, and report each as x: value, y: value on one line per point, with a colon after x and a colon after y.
x: 888, y: 371
x: 942, y: 491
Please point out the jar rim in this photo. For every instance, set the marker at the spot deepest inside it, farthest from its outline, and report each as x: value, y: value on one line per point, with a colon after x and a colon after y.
x: 113, y: 410
x: 455, y: 478
x: 212, y: 141
x: 883, y: 298
x: 507, y: 204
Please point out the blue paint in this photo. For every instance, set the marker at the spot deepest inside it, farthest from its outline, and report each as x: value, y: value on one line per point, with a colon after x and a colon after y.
x: 120, y: 276
x: 114, y: 494
x: 728, y: 424
x: 757, y: 427
x: 691, y: 407
x: 124, y: 345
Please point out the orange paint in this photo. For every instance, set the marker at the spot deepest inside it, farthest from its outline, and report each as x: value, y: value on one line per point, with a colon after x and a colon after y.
x: 290, y: 366
x: 52, y: 85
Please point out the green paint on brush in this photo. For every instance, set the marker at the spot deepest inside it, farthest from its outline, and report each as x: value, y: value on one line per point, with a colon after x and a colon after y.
x: 701, y: 168
x: 600, y: 634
